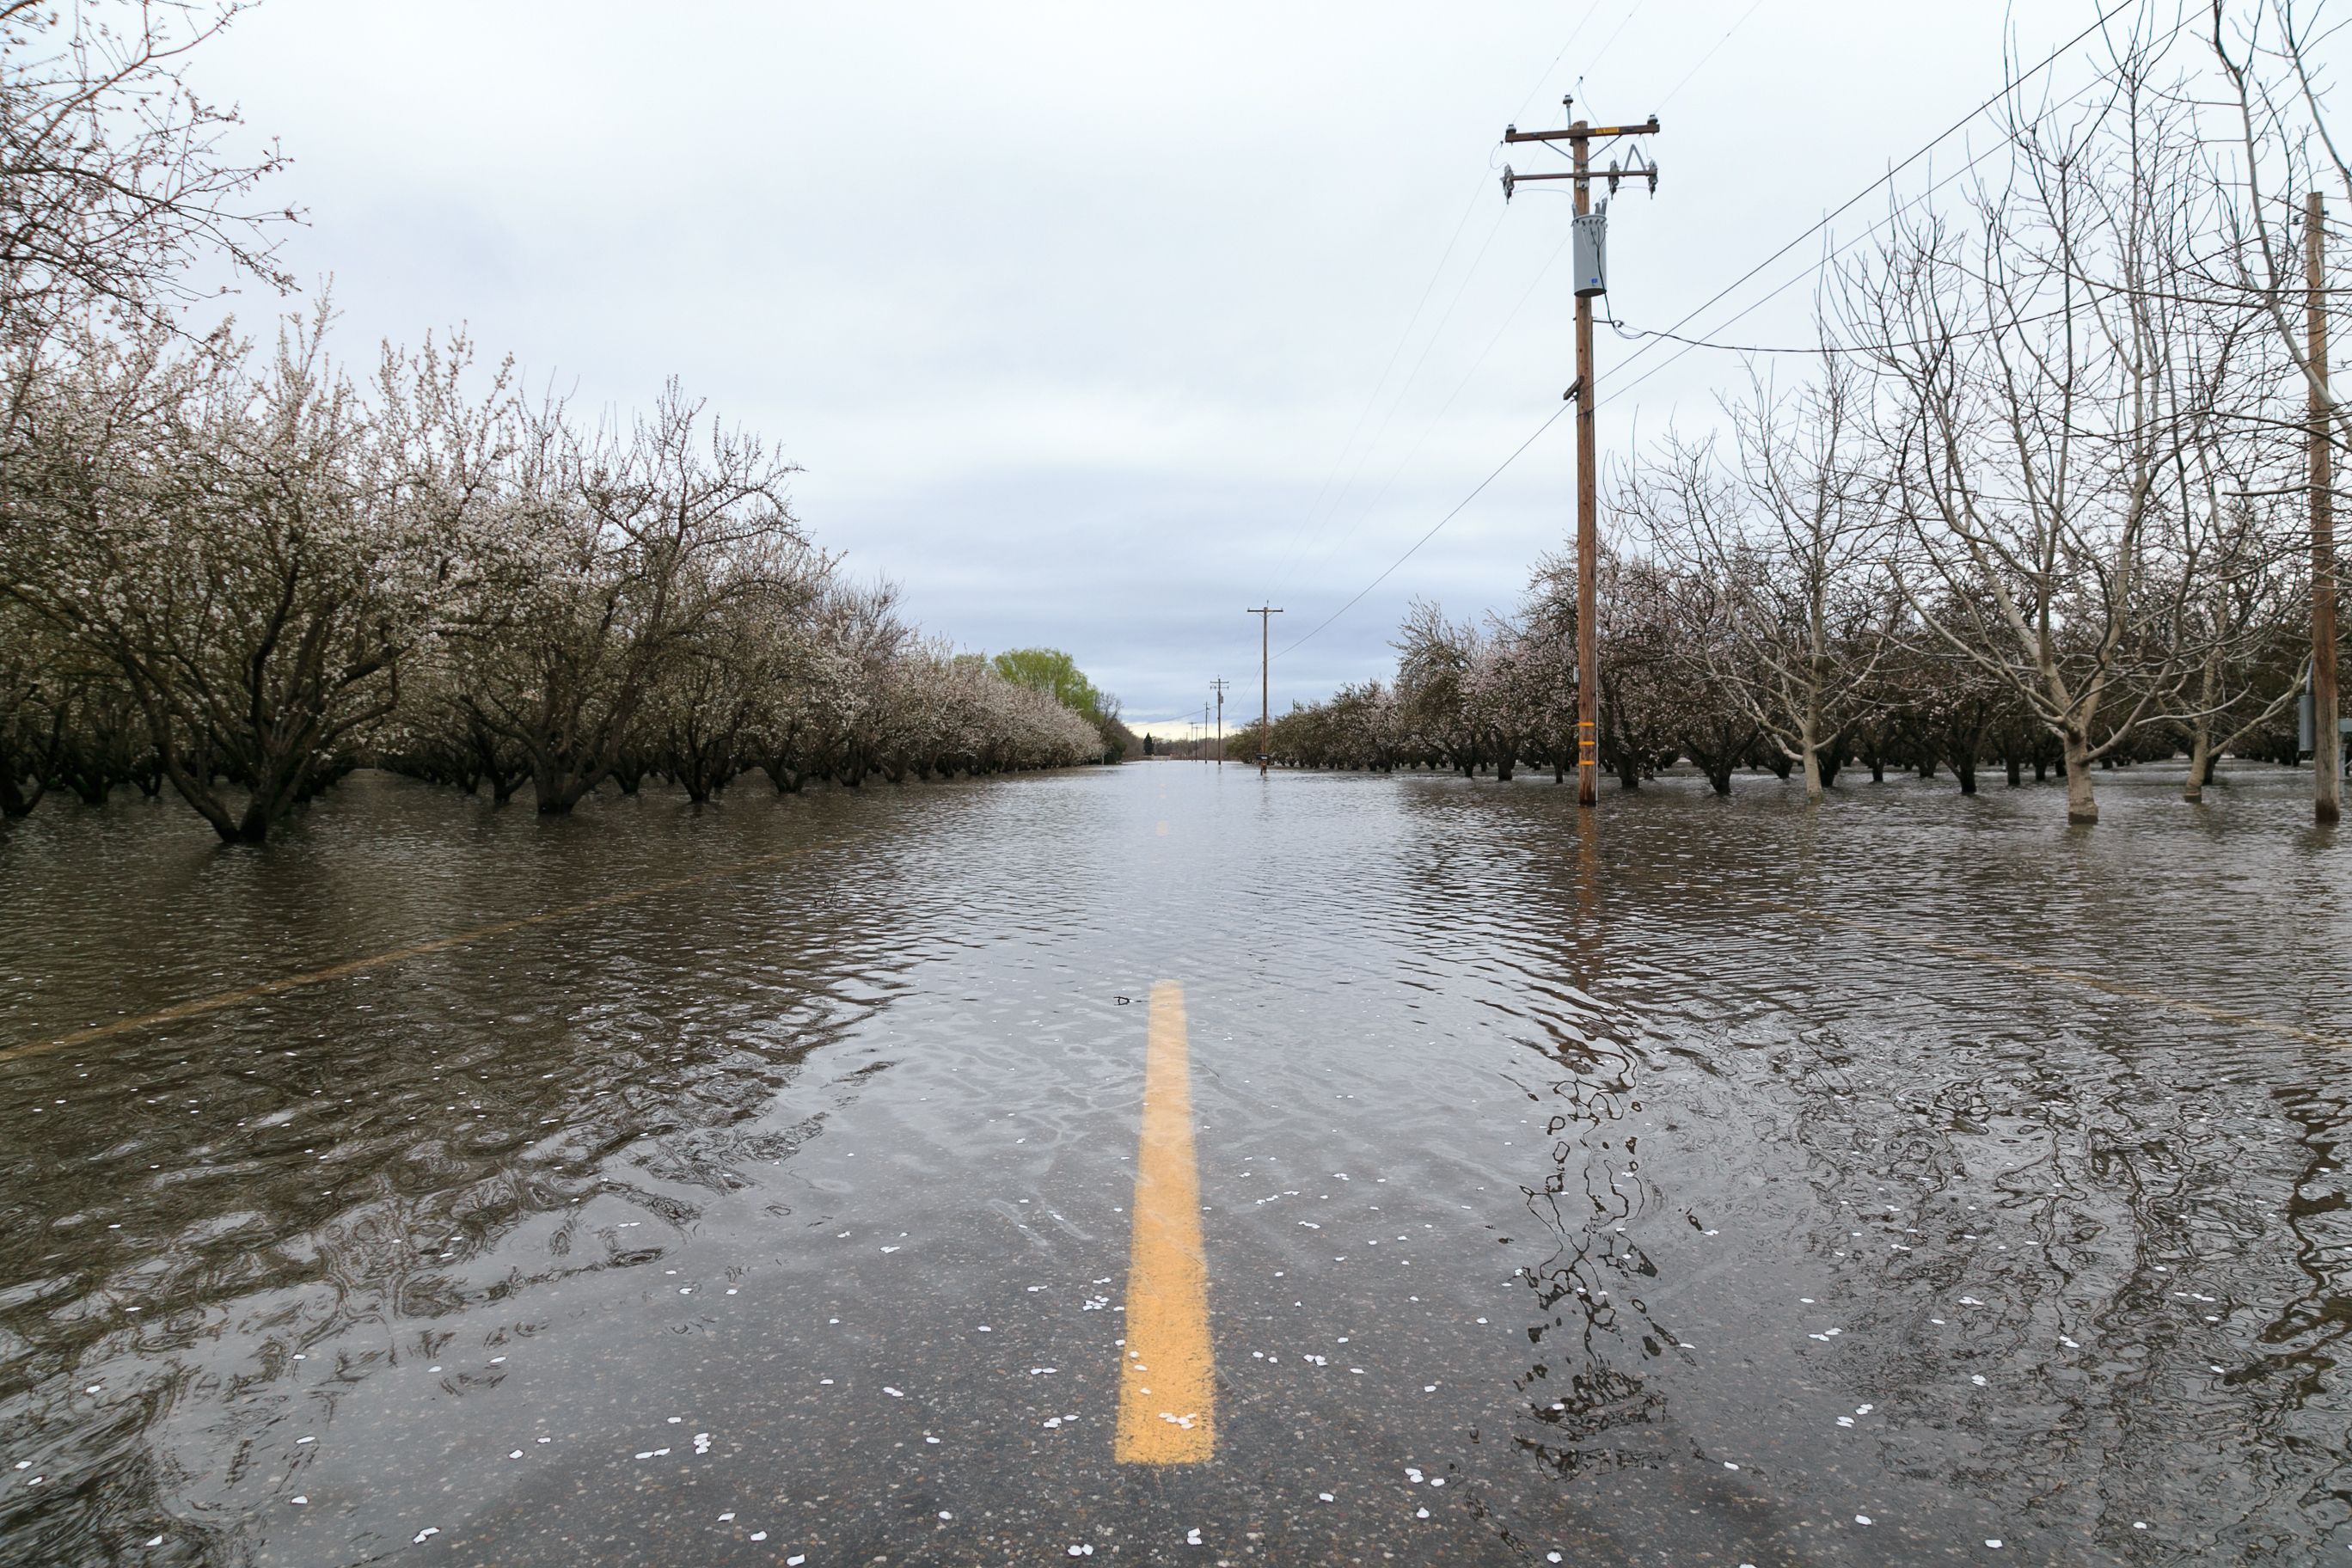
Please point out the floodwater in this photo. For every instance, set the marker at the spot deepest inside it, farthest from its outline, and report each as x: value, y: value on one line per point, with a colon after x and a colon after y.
x: 1735, y: 1183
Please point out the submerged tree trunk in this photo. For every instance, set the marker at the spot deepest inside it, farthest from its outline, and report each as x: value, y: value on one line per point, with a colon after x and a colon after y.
x: 2081, y: 804
x: 2200, y: 762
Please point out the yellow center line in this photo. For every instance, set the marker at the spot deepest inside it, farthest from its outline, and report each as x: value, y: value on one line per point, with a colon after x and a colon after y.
x: 220, y: 1000
x: 2052, y: 972
x: 1168, y: 1374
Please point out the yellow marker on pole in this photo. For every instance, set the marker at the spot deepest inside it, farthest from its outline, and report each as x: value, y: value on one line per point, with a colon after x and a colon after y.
x: 1168, y: 1374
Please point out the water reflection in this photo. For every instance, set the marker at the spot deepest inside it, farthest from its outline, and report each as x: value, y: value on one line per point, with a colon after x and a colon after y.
x: 1672, y: 1212
x: 2027, y: 1245
x: 220, y: 1228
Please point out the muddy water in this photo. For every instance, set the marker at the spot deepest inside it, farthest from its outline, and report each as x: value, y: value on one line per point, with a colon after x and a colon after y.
x: 1734, y: 1184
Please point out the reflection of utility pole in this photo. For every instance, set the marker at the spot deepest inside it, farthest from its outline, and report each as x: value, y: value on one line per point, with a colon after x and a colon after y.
x: 2326, y: 734
x: 1265, y: 686
x: 1591, y: 278
x: 1219, y: 684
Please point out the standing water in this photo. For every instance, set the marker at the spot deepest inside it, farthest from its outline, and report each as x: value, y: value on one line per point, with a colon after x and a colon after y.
x: 1911, y: 1179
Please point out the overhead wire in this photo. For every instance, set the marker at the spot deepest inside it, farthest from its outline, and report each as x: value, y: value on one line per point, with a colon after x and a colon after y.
x: 1441, y: 522
x: 1315, y: 510
x: 2117, y: 8
x: 1710, y: 54
x: 2007, y: 87
x: 1620, y: 389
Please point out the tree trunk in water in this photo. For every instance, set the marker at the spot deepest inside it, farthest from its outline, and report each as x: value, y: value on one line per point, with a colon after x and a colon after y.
x: 2016, y: 772
x: 2201, y: 763
x: 1966, y: 773
x: 2081, y: 806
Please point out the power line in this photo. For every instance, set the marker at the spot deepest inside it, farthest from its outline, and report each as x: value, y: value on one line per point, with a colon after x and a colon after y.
x: 1844, y: 245
x: 1710, y: 54
x: 1397, y: 353
x: 1922, y: 151
x: 1463, y: 385
x: 2007, y: 87
x: 1315, y: 508
x: 1441, y: 522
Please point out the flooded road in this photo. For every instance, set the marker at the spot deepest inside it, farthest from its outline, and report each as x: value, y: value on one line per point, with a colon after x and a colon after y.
x: 1916, y: 1180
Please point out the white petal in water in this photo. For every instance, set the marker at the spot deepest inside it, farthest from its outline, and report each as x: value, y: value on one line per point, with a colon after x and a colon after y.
x: 419, y: 1537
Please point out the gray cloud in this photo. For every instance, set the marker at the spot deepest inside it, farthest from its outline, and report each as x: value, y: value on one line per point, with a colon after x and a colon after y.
x: 1071, y: 312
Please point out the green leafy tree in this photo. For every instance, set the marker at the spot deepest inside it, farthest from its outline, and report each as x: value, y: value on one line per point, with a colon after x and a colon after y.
x: 1056, y: 673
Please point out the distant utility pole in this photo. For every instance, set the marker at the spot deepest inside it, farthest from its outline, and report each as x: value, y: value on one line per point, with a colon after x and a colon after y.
x: 2327, y: 737
x: 1592, y: 278
x: 1204, y: 731
x: 1219, y: 685
x: 1265, y: 685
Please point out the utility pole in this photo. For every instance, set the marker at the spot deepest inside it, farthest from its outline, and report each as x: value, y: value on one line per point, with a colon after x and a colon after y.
x: 1219, y: 685
x: 1591, y: 279
x: 1204, y: 731
x: 1265, y: 685
x: 2327, y: 737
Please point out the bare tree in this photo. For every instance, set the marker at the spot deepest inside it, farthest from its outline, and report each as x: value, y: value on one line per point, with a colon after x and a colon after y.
x: 2044, y: 392
x: 1785, y: 547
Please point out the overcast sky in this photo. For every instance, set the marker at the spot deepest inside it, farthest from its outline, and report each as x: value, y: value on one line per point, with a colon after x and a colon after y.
x: 1093, y: 325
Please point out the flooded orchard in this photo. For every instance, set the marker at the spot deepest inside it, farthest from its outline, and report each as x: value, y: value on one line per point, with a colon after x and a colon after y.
x: 1910, y: 1179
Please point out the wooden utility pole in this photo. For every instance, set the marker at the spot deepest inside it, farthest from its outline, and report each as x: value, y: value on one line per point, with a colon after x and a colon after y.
x: 2326, y: 739
x: 1580, y: 137
x: 1264, y: 684
x: 1219, y: 685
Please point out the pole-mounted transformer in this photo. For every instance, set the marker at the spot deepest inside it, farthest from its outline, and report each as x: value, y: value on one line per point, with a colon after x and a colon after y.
x: 1592, y: 253
x: 1590, y: 237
